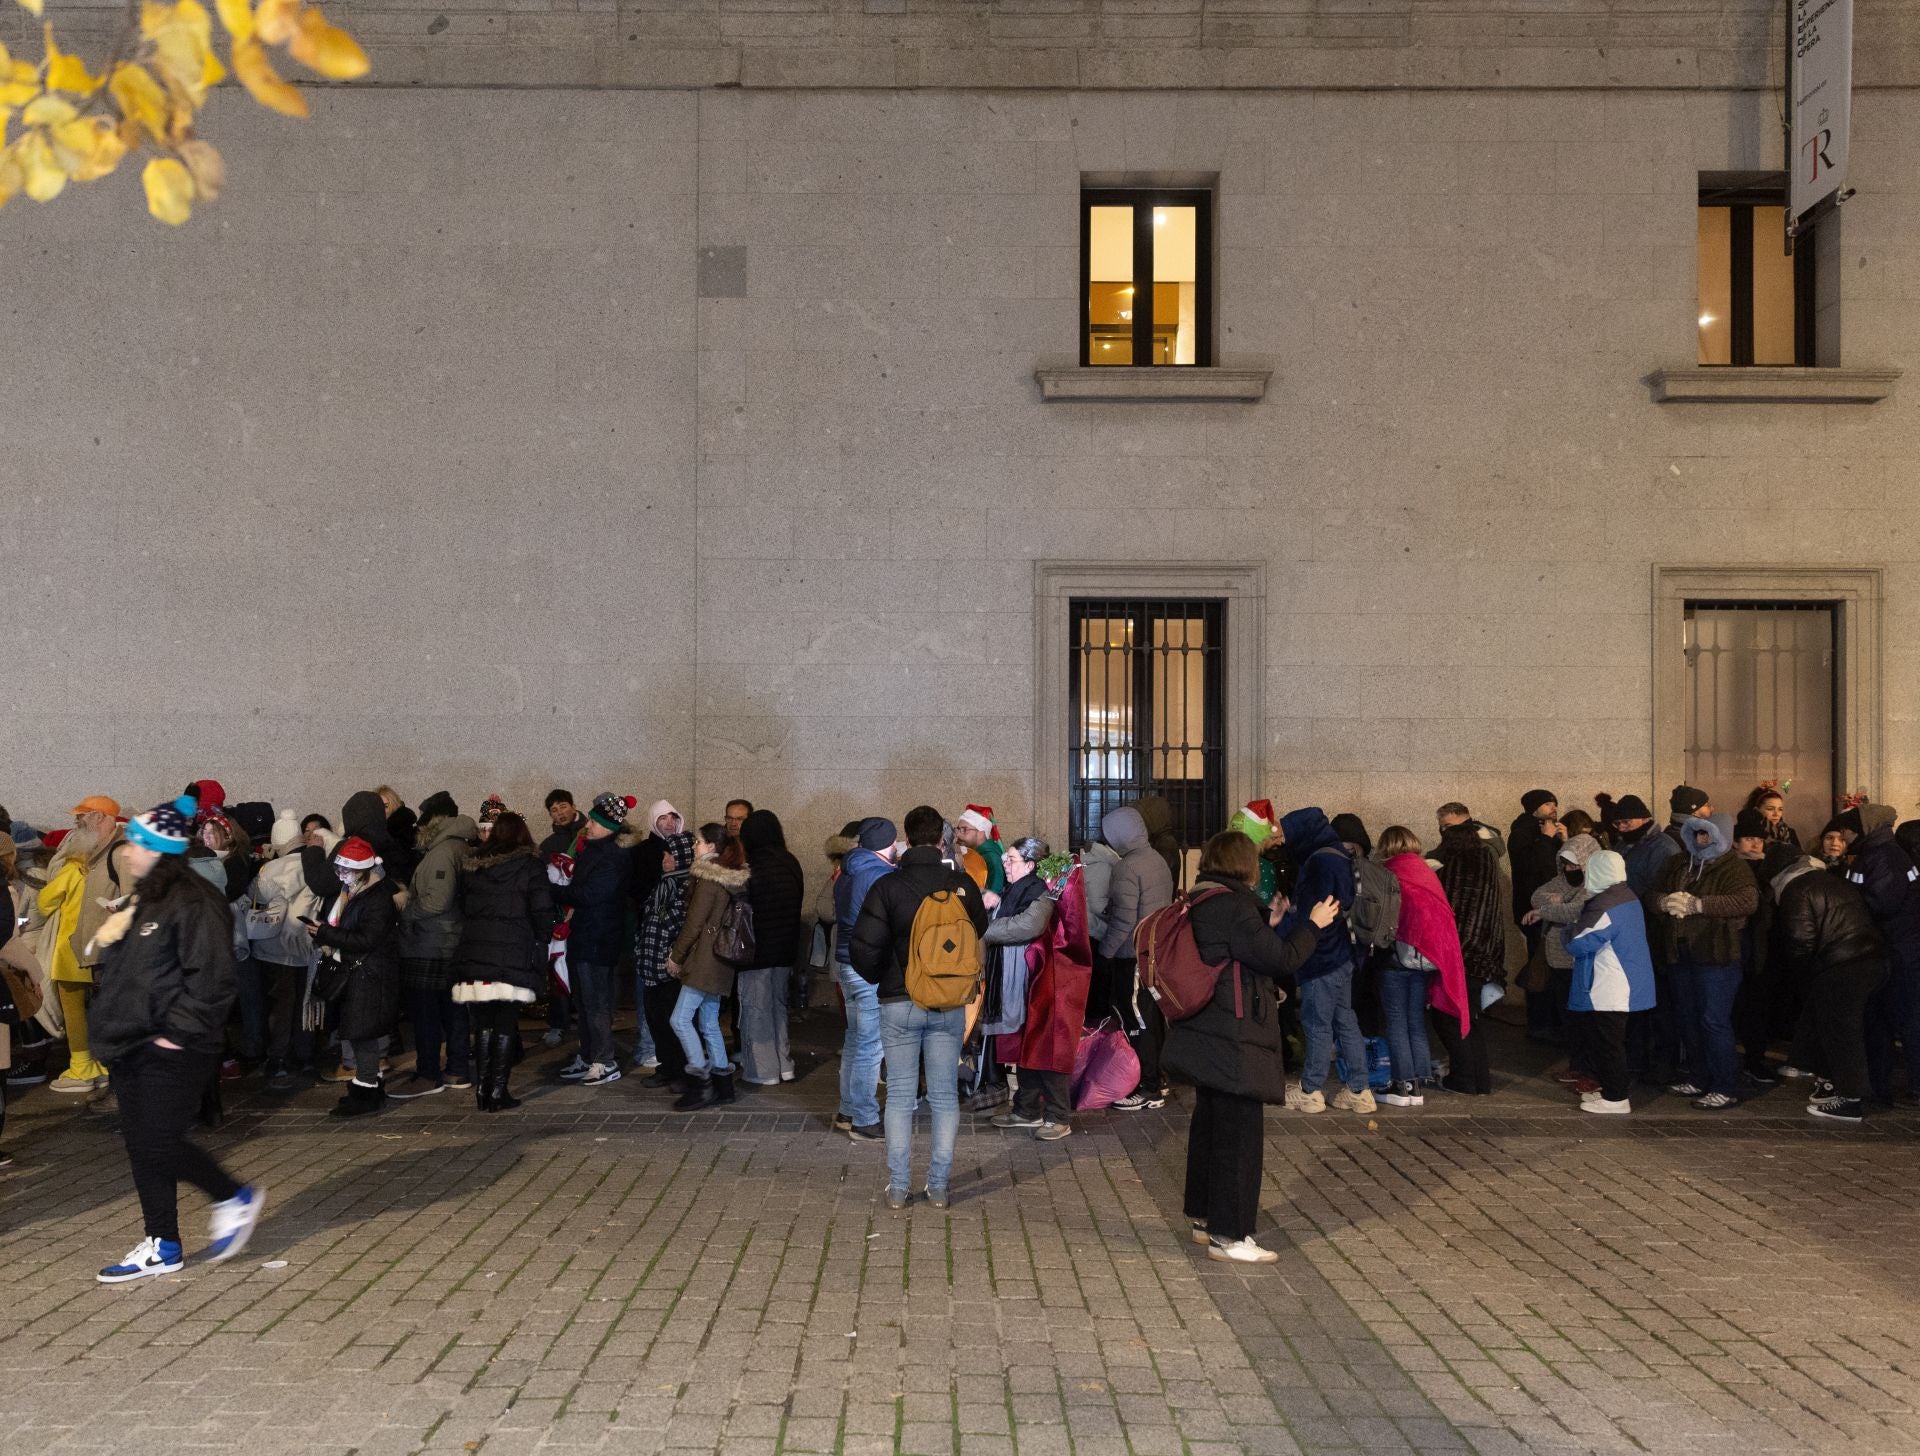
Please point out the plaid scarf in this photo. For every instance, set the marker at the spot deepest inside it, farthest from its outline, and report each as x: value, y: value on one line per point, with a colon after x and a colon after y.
x: 665, y: 914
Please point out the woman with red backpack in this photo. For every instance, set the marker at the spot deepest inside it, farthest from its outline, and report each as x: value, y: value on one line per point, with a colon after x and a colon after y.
x: 1230, y: 1048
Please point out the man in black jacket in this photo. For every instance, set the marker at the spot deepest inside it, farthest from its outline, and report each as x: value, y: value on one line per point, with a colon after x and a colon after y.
x: 595, y: 890
x: 1885, y: 874
x: 568, y: 822
x: 912, y: 1035
x: 1825, y: 939
x: 1533, y: 849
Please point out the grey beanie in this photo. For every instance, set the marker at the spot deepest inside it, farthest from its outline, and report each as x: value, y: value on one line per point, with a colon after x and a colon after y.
x: 878, y: 834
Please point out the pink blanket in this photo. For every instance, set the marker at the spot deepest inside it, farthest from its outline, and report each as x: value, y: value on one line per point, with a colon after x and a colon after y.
x: 1426, y: 924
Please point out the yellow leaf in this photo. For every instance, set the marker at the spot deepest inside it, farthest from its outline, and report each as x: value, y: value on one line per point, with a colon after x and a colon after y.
x: 256, y: 73
x: 209, y: 172
x: 169, y: 190
x: 274, y: 19
x: 237, y: 17
x: 47, y: 111
x: 153, y: 16
x: 88, y: 148
x: 33, y: 8
x: 212, y: 73
x: 326, y: 48
x: 65, y: 72
x: 140, y: 98
x: 45, y: 179
x: 19, y: 83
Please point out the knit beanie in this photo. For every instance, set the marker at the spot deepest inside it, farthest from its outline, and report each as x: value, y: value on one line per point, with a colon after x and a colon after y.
x: 355, y: 854
x: 491, y: 808
x: 438, y: 805
x: 1750, y: 824
x: 285, y: 833
x: 877, y: 834
x: 1631, y: 806
x: 610, y: 811
x: 1534, y: 798
x: 1686, y: 799
x: 164, y: 828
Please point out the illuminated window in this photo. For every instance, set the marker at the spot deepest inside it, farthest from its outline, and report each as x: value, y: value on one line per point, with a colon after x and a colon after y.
x: 1756, y: 302
x: 1147, y: 276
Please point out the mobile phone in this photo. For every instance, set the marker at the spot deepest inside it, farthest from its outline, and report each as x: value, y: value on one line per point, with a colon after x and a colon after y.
x: 306, y: 920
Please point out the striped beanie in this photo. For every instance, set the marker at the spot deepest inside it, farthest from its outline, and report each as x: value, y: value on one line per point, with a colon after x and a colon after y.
x: 164, y: 828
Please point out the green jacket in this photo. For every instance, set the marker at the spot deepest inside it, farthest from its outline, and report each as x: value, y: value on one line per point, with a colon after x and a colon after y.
x: 1728, y: 895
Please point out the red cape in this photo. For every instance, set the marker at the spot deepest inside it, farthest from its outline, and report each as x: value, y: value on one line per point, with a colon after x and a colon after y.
x: 1060, y: 974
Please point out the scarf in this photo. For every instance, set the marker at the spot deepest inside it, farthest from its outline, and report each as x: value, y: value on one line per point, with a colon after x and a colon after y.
x: 665, y: 913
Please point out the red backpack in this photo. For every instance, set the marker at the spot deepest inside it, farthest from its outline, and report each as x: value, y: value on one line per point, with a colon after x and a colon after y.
x: 1170, y: 966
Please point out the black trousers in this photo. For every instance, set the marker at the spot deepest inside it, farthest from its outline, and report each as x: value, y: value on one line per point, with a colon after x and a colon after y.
x: 660, y: 1001
x: 1601, y: 1040
x: 1831, y: 1037
x: 1046, y: 1095
x: 1224, y: 1156
x: 159, y: 1093
x: 496, y: 1016
x: 1110, y: 992
x: 1466, y: 1055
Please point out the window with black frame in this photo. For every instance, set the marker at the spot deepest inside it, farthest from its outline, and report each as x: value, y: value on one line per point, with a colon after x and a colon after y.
x: 1146, y: 275
x: 1756, y: 301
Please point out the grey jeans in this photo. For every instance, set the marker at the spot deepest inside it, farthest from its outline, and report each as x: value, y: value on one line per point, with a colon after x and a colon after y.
x: 765, y: 1056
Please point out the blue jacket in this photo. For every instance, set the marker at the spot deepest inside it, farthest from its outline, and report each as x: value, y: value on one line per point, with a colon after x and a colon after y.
x: 858, y: 871
x: 1645, y: 858
x: 1321, y: 874
x: 1612, y: 966
x: 598, y: 896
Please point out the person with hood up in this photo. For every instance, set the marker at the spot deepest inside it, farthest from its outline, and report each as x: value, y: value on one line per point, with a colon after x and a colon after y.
x: 164, y: 988
x: 358, y: 935
x: 429, y: 936
x: 283, y: 952
x: 86, y: 876
x: 1612, y: 978
x: 1885, y: 874
x: 1141, y: 884
x: 1700, y: 903
x: 1555, y: 907
x: 1097, y: 861
x: 1533, y: 846
x: 867, y: 862
x: 1427, y: 968
x: 660, y: 864
x: 1156, y: 814
x: 777, y: 892
x: 1470, y: 876
x: 719, y: 877
x: 1826, y: 939
x: 500, y: 962
x: 592, y: 884
x: 1322, y: 869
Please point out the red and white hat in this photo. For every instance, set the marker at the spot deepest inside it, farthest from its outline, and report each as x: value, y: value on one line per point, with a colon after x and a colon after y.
x: 355, y: 854
x: 980, y: 816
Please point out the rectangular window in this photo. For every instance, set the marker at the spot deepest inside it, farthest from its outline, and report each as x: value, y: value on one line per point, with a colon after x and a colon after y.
x: 1756, y: 303
x: 1147, y: 276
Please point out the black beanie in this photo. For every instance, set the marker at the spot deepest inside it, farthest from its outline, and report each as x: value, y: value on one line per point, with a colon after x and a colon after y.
x: 877, y: 834
x: 1534, y: 798
x: 1631, y: 806
x: 1687, y: 800
x: 1352, y: 831
x: 1750, y: 824
x: 438, y: 806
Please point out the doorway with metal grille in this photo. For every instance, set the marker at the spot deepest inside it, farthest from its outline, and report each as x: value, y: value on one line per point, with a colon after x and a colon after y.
x: 1147, y: 696
x: 1761, y: 704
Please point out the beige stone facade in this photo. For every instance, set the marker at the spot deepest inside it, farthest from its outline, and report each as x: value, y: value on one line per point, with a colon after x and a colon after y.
x: 419, y: 457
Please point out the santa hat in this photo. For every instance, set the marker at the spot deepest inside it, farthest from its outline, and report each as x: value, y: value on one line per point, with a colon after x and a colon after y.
x: 355, y: 854
x: 164, y: 828
x: 980, y: 816
x: 610, y: 811
x: 1257, y: 821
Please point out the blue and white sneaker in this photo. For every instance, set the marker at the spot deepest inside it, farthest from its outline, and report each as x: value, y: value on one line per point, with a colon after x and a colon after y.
x: 233, y: 1221
x: 149, y: 1257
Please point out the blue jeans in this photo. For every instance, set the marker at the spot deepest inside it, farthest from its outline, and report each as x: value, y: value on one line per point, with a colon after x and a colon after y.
x: 1403, y: 1002
x: 643, y: 1048
x: 915, y: 1038
x: 1704, y: 1000
x: 860, y: 1052
x: 1326, y: 1016
x: 696, y: 1018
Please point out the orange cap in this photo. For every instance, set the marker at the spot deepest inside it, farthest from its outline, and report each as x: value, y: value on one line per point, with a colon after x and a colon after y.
x: 97, y: 804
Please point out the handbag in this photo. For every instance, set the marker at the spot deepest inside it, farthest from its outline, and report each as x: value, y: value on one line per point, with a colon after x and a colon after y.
x: 330, y: 979
x: 20, y: 997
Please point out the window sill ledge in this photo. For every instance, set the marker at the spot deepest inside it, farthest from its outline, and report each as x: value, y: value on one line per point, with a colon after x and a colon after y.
x: 1167, y: 381
x: 1771, y: 385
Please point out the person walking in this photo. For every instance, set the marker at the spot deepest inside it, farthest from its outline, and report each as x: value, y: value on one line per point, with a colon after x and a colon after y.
x: 777, y: 893
x: 1141, y: 884
x: 164, y: 987
x: 1612, y: 978
x: 1426, y: 968
x: 86, y: 875
x: 1059, y: 971
x: 358, y: 935
x: 594, y: 888
x: 1323, y: 868
x: 719, y: 879
x: 918, y: 1038
x: 1826, y: 939
x: 1470, y: 877
x: 429, y: 936
x: 499, y: 961
x: 872, y: 858
x: 1230, y: 1048
x: 1700, y: 902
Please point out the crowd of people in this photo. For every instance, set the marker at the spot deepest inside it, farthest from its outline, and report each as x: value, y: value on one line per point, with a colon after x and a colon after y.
x: 152, y: 957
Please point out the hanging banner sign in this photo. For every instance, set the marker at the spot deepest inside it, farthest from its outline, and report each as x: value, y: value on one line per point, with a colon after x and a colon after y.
x: 1820, y: 96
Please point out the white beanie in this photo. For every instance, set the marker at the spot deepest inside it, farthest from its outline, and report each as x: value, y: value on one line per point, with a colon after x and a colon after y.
x: 285, y: 834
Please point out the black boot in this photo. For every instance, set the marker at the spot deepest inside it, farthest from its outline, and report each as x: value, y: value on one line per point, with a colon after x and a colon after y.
x: 699, y: 1093
x: 361, y: 1099
x: 723, y: 1086
x: 483, y: 1070
x: 500, y: 1066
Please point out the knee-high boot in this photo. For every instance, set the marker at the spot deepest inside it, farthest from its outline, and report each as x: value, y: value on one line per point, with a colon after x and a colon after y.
x: 483, y: 1070
x: 500, y: 1068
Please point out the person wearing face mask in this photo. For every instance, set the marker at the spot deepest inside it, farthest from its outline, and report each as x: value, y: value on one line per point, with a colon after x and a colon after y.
x: 1700, y: 902
x: 358, y: 936
x: 1612, y: 978
x: 1533, y: 847
x: 1555, y: 907
x: 86, y: 875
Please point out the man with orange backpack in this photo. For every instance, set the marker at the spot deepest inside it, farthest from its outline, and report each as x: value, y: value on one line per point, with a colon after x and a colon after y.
x: 917, y: 939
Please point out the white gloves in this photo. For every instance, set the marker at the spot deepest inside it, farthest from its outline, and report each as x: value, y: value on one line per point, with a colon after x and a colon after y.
x: 1680, y: 904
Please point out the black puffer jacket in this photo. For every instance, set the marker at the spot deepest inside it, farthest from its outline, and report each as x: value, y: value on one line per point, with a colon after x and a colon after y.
x: 170, y: 971
x: 777, y: 890
x: 598, y: 896
x: 878, y: 950
x: 506, y: 916
x: 1820, y: 922
x: 1884, y: 872
x: 1214, y: 1047
x: 368, y: 939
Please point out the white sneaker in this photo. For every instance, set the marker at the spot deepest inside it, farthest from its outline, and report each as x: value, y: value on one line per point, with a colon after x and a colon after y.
x: 553, y: 1037
x: 1792, y: 1073
x: 1605, y: 1106
x: 574, y: 1070
x: 147, y: 1258
x: 233, y: 1222
x: 1684, y: 1089
x: 647, y: 1064
x: 1586, y: 1097
x: 1300, y: 1101
x: 1241, y: 1251
x: 599, y: 1074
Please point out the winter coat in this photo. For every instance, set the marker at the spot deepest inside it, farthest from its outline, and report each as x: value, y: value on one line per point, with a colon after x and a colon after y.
x: 564, y: 839
x: 598, y: 897
x: 167, y: 970
x: 1017, y: 923
x: 1427, y: 926
x: 430, y: 920
x: 1821, y: 922
x: 1215, y: 1048
x: 1534, y: 856
x: 368, y: 942
x: 279, y: 897
x: 665, y: 910
x: 76, y: 886
x: 1097, y: 864
x: 1612, y: 966
x: 1644, y: 858
x: 1725, y: 886
x: 1141, y: 884
x: 1156, y: 814
x: 506, y: 916
x: 1883, y: 872
x: 858, y: 871
x: 880, y: 936
x: 364, y: 816
x: 1470, y: 876
x: 1324, y: 868
x: 714, y: 888
x: 1060, y: 974
x: 778, y: 892
x: 1559, y: 904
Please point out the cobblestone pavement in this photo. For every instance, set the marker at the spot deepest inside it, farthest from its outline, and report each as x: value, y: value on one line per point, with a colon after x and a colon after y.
x: 594, y: 1272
